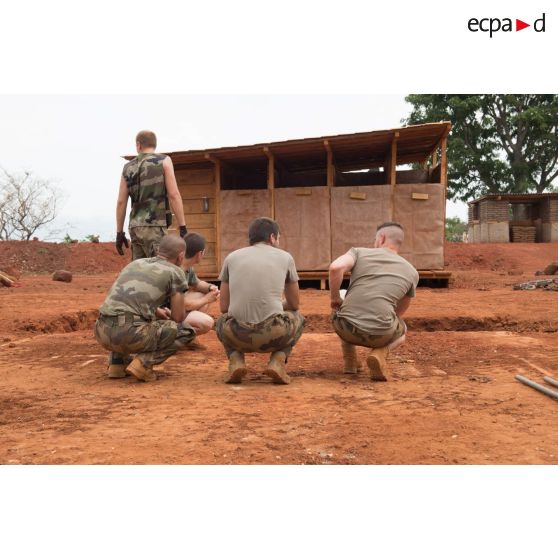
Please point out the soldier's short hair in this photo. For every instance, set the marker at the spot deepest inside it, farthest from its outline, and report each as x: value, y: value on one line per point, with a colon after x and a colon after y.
x: 389, y: 224
x: 171, y: 246
x: 194, y: 243
x: 260, y: 229
x: 147, y: 138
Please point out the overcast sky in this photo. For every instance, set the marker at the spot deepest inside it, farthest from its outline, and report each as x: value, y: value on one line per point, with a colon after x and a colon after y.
x: 77, y: 141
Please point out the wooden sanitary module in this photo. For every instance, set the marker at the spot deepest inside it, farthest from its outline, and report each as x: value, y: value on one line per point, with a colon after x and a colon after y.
x: 303, y: 217
x: 327, y: 194
x: 422, y: 219
x: 238, y: 209
x: 355, y: 213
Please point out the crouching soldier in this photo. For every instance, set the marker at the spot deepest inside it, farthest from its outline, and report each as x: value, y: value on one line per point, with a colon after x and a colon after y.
x: 380, y: 292
x: 131, y: 320
x: 255, y: 318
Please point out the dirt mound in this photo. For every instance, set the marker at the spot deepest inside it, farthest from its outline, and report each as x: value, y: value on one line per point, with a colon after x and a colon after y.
x: 90, y: 258
x: 512, y: 257
x: 47, y: 257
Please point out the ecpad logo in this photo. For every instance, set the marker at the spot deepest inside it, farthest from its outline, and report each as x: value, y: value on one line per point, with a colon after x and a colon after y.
x: 494, y: 24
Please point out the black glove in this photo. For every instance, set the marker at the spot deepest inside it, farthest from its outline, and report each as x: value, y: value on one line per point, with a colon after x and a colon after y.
x: 183, y: 231
x: 120, y: 240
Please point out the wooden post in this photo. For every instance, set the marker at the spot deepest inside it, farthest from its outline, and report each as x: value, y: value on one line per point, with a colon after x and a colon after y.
x: 330, y: 166
x: 330, y: 169
x: 217, y: 180
x: 444, y: 176
x: 393, y: 174
x: 270, y: 180
x: 435, y: 156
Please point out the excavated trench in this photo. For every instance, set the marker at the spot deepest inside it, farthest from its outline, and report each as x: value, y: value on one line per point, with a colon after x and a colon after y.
x: 315, y: 323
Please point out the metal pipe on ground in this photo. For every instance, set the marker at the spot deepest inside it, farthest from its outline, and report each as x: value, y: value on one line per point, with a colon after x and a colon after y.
x: 536, y: 386
x: 550, y: 381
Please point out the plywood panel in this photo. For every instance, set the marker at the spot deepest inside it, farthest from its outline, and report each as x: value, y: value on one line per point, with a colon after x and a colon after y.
x: 423, y: 222
x: 304, y: 220
x: 354, y: 220
x: 238, y: 209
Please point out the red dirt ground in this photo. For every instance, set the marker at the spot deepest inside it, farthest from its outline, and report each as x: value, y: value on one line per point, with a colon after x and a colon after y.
x: 452, y: 397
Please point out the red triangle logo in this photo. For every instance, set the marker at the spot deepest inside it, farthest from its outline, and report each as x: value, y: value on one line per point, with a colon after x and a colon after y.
x: 519, y: 25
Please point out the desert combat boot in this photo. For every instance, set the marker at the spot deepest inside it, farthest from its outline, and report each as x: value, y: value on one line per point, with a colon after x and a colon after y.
x: 237, y: 368
x: 377, y: 364
x: 351, y: 364
x: 117, y: 366
x: 276, y: 368
x: 137, y: 369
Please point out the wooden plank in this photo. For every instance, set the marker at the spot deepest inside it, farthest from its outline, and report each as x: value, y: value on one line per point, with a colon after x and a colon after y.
x: 195, y: 191
x: 200, y: 221
x: 194, y: 176
x: 192, y: 206
x: 419, y: 196
x: 210, y: 235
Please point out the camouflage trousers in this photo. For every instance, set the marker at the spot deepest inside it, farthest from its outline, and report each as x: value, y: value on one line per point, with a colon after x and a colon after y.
x: 152, y: 342
x: 279, y: 332
x: 145, y: 241
x: 355, y: 336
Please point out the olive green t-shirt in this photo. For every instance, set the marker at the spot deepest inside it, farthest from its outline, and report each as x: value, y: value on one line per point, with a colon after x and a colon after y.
x: 256, y: 276
x: 191, y: 277
x: 143, y: 286
x: 380, y: 278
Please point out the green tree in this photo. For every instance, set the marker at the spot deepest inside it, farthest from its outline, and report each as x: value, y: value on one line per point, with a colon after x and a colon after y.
x: 455, y: 228
x: 498, y: 143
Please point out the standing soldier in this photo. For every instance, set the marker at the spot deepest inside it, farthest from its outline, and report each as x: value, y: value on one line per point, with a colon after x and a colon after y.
x: 132, y: 321
x: 149, y: 181
x: 380, y: 291
x: 255, y: 319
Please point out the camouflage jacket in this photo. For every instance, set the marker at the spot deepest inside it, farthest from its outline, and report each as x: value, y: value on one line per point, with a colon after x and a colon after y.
x: 146, y: 187
x: 143, y: 286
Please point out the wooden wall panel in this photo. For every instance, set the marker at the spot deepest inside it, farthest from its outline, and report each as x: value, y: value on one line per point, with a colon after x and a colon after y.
x: 194, y: 176
x: 354, y: 220
x: 304, y: 220
x: 423, y: 222
x: 238, y: 209
x: 195, y: 185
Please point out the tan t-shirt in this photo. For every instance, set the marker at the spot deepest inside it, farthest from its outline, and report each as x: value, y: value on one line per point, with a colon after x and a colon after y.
x: 379, y: 280
x: 256, y: 276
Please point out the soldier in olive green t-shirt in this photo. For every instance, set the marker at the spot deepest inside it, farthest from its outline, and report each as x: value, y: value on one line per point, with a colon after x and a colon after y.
x: 255, y: 318
x: 380, y: 291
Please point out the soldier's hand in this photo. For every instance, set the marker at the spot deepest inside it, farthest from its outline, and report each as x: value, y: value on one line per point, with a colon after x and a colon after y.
x: 336, y: 303
x: 212, y: 295
x: 183, y: 231
x: 121, y: 240
x: 163, y: 313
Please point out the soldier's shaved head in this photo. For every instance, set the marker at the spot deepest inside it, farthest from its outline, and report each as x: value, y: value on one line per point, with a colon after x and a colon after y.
x: 171, y: 247
x: 146, y: 138
x: 390, y: 235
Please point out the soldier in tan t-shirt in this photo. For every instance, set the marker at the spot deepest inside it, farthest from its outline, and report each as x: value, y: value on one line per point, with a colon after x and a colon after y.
x: 380, y: 291
x: 255, y: 318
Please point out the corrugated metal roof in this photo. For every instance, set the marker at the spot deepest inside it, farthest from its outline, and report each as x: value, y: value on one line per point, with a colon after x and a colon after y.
x: 414, y: 143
